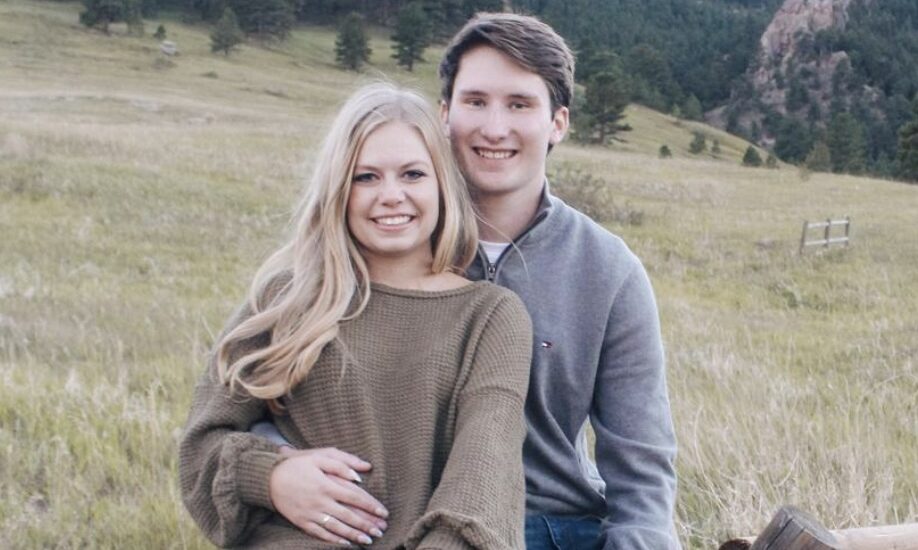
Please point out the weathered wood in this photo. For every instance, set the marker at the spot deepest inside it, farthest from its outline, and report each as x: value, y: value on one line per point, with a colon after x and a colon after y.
x: 827, y: 239
x: 806, y: 225
x: 744, y: 543
x: 793, y: 529
x: 887, y: 537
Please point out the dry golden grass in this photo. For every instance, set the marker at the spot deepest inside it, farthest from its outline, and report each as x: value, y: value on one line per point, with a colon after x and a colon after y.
x: 136, y: 200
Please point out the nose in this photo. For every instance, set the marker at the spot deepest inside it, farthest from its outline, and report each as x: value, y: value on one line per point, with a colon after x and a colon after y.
x: 391, y: 191
x: 495, y: 127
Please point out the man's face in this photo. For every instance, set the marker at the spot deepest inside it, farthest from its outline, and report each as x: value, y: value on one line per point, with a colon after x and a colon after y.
x: 500, y: 123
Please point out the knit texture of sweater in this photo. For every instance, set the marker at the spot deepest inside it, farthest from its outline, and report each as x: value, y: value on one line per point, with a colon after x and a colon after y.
x: 429, y: 387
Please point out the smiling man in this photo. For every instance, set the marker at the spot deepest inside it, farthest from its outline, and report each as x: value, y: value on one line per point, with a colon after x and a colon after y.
x: 507, y: 84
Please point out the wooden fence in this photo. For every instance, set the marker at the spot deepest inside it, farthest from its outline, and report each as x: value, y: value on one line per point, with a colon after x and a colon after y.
x: 827, y: 238
x: 793, y: 529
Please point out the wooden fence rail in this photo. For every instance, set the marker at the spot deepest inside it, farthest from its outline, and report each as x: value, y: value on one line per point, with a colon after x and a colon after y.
x: 827, y: 238
x: 793, y: 529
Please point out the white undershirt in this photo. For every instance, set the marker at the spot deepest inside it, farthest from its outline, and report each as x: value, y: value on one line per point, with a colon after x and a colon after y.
x: 493, y: 250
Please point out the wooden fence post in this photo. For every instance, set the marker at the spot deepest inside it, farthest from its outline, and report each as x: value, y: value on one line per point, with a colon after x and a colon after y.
x: 806, y: 226
x: 847, y: 230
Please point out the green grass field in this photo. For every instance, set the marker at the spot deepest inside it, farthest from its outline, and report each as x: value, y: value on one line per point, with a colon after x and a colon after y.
x: 137, y: 198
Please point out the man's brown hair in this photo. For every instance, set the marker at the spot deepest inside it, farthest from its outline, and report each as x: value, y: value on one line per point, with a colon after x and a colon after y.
x: 529, y: 42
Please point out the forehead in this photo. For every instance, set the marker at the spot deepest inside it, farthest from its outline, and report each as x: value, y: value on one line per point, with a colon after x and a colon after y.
x: 485, y: 69
x: 394, y: 142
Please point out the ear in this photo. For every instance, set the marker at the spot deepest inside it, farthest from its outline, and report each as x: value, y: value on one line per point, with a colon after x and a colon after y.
x: 444, y: 113
x: 560, y: 122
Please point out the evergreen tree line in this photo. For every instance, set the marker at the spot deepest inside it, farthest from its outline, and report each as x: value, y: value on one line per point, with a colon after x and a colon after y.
x: 275, y: 18
x: 441, y: 17
x: 671, y: 51
x: 672, y: 55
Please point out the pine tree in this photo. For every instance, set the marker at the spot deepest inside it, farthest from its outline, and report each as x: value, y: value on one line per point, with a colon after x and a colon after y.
x: 908, y: 147
x: 797, y: 95
x: 412, y: 35
x: 792, y: 140
x: 691, y: 109
x: 715, y: 148
x: 133, y: 17
x: 847, y: 150
x: 209, y: 10
x: 698, y: 143
x: 226, y: 34
x: 160, y: 33
x: 771, y: 161
x: 819, y: 159
x: 100, y: 13
x: 435, y: 11
x: 606, y: 99
x: 752, y: 157
x: 665, y: 153
x: 351, y: 46
x: 264, y: 18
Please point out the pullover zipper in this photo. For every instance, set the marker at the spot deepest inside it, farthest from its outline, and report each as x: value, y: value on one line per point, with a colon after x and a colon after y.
x: 491, y: 269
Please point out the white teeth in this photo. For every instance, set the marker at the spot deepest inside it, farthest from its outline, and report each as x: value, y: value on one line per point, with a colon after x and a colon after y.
x: 499, y: 155
x: 393, y: 220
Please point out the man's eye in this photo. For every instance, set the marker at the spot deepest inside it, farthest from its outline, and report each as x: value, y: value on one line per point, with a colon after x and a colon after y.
x: 473, y: 102
x: 518, y: 106
x: 365, y: 177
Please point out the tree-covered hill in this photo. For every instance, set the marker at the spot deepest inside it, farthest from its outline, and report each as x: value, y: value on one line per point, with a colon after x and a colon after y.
x: 848, y: 87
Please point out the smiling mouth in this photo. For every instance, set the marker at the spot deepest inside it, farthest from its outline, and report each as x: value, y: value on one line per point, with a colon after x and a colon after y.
x: 492, y: 154
x: 393, y: 221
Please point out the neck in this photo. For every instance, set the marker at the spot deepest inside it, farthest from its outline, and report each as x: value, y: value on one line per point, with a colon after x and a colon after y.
x: 399, y: 273
x: 504, y: 217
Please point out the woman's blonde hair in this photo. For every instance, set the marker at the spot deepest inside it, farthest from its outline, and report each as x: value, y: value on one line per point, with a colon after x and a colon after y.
x: 318, y: 278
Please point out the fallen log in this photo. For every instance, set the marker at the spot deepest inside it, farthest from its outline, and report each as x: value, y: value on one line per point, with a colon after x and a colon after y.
x: 794, y: 529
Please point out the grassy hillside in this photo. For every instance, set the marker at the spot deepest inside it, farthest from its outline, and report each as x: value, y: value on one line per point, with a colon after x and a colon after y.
x: 137, y: 197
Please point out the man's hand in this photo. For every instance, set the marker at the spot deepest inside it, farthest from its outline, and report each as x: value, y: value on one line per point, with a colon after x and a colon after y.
x: 316, y: 490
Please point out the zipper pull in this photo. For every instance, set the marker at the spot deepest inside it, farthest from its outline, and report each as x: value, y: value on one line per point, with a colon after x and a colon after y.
x: 492, y: 269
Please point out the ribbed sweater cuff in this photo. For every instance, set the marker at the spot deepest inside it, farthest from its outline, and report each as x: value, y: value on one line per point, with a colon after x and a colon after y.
x: 442, y: 540
x: 253, y: 477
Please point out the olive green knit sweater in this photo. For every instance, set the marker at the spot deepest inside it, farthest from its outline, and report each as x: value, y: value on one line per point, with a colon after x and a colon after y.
x: 429, y: 387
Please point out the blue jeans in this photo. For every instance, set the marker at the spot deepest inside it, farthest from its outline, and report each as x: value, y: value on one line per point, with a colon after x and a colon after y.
x: 562, y: 533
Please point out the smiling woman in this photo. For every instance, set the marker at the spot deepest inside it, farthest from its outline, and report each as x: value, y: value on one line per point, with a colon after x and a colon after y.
x: 398, y: 383
x: 394, y: 202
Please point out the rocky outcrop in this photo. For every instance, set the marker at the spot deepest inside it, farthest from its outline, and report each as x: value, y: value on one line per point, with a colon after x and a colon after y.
x: 796, y: 19
x: 787, y: 58
x: 796, y: 23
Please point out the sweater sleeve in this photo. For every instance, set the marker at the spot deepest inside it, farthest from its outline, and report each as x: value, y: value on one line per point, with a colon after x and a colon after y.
x: 225, y: 471
x: 480, y: 499
x: 635, y: 443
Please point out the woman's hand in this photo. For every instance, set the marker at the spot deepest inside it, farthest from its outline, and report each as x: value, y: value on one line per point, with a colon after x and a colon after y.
x: 316, y: 490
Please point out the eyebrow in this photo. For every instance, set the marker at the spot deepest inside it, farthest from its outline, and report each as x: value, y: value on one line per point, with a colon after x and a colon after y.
x: 474, y: 92
x: 423, y: 163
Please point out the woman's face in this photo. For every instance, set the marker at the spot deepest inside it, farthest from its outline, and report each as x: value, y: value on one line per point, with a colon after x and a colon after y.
x: 393, y: 207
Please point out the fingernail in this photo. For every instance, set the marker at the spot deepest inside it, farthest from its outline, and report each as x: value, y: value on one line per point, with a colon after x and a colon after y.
x: 382, y: 525
x: 356, y: 477
x: 346, y: 543
x: 381, y: 512
x: 365, y: 539
x: 376, y: 532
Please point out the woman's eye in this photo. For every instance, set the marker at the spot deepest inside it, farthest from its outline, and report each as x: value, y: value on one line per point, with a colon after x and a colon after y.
x: 413, y: 175
x: 366, y: 177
